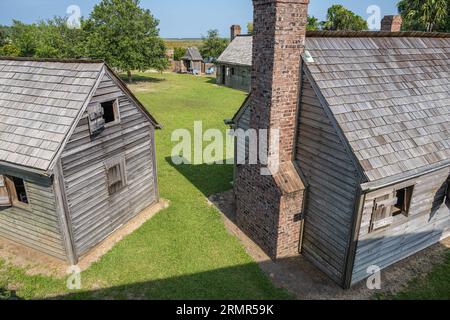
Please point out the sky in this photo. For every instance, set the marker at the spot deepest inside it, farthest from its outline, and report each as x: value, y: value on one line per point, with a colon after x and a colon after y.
x: 181, y: 18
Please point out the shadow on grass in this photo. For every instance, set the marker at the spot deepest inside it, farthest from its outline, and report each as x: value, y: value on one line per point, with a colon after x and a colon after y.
x: 237, y: 282
x: 209, y: 179
x: 8, y: 295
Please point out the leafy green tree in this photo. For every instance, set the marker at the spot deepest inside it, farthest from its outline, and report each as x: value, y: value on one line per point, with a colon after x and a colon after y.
x: 24, y: 36
x: 9, y: 50
x: 4, y: 35
x: 213, y: 45
x: 126, y: 36
x: 178, y: 53
x: 425, y: 15
x: 250, y: 28
x: 313, y: 23
x: 340, y: 18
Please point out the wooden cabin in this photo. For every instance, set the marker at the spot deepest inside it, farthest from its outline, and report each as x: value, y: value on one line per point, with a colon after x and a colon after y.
x: 193, y: 61
x: 234, y: 66
x: 77, y: 155
x: 364, y: 150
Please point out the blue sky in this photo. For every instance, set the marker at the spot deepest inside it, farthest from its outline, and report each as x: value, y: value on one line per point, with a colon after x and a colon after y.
x: 180, y: 18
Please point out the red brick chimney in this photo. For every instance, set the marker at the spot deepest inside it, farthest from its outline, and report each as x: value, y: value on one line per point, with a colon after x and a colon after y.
x: 269, y: 207
x: 235, y: 31
x: 391, y: 24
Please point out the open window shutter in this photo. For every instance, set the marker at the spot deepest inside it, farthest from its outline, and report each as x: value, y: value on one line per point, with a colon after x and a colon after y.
x: 96, y: 120
x: 5, y: 200
x: 448, y: 191
x: 382, y: 211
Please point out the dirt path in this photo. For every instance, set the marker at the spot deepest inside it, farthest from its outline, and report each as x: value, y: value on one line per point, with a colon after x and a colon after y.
x: 306, y: 282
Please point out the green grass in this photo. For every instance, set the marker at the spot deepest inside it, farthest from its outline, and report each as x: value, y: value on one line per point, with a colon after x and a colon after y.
x: 434, y: 286
x: 184, y: 252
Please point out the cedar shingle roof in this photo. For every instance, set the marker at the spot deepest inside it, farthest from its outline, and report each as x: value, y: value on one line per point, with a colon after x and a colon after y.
x: 390, y: 96
x: 239, y: 52
x: 192, y: 54
x: 40, y: 101
x: 388, y: 92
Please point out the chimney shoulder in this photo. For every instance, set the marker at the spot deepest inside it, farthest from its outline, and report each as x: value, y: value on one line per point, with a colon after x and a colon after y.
x: 391, y: 24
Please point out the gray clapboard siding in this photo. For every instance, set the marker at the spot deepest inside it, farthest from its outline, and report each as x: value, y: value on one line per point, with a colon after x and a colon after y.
x: 237, y: 77
x: 39, y: 227
x: 332, y: 187
x: 427, y: 224
x: 93, y: 212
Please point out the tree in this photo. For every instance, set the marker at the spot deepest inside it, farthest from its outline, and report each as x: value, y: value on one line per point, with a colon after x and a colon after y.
x: 9, y: 50
x: 425, y: 15
x: 213, y: 45
x: 4, y: 35
x: 126, y: 36
x: 178, y: 53
x: 340, y: 18
x: 313, y: 23
x: 250, y: 28
x: 24, y: 37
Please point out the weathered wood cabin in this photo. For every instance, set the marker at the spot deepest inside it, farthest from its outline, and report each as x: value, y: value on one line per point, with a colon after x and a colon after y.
x: 234, y: 66
x: 364, y: 121
x: 193, y: 61
x: 77, y: 155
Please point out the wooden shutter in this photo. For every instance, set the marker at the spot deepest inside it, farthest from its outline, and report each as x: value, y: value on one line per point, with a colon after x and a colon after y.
x: 96, y: 120
x: 5, y: 200
x: 382, y: 211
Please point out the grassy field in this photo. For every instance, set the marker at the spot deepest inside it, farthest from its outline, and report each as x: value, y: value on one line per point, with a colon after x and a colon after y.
x: 183, y: 43
x: 185, y: 251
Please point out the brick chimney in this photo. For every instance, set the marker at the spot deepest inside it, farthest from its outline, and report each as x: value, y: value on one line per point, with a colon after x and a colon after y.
x: 269, y: 207
x: 235, y: 31
x: 391, y: 24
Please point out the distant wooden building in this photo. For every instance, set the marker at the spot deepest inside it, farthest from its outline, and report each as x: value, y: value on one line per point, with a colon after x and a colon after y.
x: 234, y: 66
x: 77, y: 155
x: 363, y: 177
x: 193, y: 61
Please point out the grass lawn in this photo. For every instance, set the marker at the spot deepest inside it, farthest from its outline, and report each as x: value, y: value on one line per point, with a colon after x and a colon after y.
x: 184, y: 252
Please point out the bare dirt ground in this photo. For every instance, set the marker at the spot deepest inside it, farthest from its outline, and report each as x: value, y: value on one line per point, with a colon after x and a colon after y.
x: 306, y: 282
x: 36, y: 263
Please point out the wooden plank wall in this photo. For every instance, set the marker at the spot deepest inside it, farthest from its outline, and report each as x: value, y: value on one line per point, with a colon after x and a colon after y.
x: 241, y: 79
x: 39, y: 227
x: 333, y: 182
x: 427, y: 224
x: 93, y: 212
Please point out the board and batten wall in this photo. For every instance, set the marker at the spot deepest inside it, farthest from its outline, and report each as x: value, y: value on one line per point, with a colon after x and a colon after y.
x: 333, y: 181
x: 39, y: 226
x: 427, y: 224
x: 93, y: 213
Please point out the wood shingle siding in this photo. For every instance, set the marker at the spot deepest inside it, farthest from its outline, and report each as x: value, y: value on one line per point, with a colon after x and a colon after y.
x: 332, y: 181
x: 94, y: 213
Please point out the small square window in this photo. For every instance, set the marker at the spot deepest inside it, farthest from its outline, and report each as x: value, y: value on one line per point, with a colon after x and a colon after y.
x: 116, y: 175
x: 17, y: 191
x: 110, y: 111
x: 404, y: 197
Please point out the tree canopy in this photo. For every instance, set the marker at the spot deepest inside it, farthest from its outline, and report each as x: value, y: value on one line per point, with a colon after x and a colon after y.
x: 125, y: 36
x: 425, y: 15
x: 340, y: 18
x: 213, y: 45
x: 250, y: 28
x: 178, y: 53
x: 313, y: 23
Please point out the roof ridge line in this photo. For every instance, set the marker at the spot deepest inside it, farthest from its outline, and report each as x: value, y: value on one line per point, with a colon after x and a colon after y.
x: 31, y: 59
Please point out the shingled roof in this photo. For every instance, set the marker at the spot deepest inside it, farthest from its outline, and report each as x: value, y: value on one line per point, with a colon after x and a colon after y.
x: 39, y: 103
x: 192, y: 54
x: 389, y: 95
x: 239, y: 52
